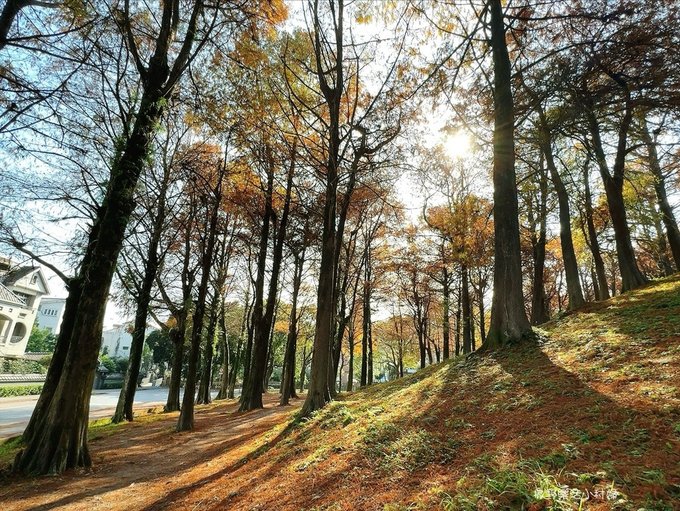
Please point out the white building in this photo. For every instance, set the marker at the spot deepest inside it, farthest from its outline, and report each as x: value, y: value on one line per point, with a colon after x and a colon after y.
x: 51, y: 313
x: 21, y: 289
x: 116, y: 341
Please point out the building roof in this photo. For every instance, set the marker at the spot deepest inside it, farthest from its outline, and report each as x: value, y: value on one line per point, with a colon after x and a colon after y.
x: 52, y: 299
x: 7, y: 296
x: 13, y: 276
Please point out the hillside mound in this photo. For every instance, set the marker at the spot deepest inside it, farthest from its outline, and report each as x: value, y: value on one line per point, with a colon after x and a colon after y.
x: 586, y: 418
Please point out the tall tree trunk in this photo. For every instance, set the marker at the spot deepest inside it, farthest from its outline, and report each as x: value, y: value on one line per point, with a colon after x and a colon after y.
x: 177, y: 335
x: 482, y: 325
x: 473, y: 341
x: 288, y: 376
x: 446, y: 325
x: 186, y: 416
x: 467, y: 309
x: 59, y: 439
x: 223, y: 393
x: 319, y: 392
x: 667, y: 216
x: 303, y: 369
x: 127, y: 392
x: 366, y: 325
x: 594, y: 245
x: 509, y: 321
x: 248, y: 355
x: 400, y: 355
x: 205, y: 382
x: 251, y: 392
x: 459, y: 308
x: 74, y: 287
x: 428, y: 349
x: 596, y: 287
x: 420, y: 332
x: 350, y: 368
x: 342, y: 366
x: 539, y: 300
x: 233, y: 372
x: 253, y: 386
x: 663, y: 260
x: 369, y: 376
x: 574, y: 290
x: 59, y: 435
x: 631, y: 276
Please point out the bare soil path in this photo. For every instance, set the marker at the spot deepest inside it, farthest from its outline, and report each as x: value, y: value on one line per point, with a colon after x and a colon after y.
x: 149, y: 465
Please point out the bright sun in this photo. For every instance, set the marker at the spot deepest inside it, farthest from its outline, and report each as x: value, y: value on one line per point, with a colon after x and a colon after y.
x: 458, y: 145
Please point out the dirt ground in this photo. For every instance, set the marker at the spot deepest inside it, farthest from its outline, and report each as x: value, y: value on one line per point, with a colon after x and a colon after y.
x: 149, y: 466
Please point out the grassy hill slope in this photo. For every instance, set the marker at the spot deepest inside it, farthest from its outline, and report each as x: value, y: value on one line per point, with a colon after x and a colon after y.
x: 589, y: 418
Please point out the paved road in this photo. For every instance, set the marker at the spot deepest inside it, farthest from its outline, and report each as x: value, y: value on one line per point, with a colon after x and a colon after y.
x: 16, y: 411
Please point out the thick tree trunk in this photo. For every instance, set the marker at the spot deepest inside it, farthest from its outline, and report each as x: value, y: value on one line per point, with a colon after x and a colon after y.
x: 177, y: 335
x: 58, y: 357
x: 509, y: 322
x: 251, y: 393
x: 631, y: 276
x: 59, y: 440
x: 667, y: 216
x: 319, y: 393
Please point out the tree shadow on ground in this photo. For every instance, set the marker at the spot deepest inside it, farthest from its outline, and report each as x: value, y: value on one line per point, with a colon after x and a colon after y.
x: 193, y: 448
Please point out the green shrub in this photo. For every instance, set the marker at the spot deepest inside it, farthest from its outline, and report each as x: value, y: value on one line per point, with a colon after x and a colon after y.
x: 114, y: 364
x: 21, y: 366
x: 20, y: 390
x: 112, y: 384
